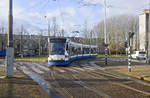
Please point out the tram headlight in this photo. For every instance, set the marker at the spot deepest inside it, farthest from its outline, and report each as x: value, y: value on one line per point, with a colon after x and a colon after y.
x: 50, y: 58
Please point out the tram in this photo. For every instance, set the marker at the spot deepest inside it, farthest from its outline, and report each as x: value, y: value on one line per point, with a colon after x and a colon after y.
x: 62, y: 51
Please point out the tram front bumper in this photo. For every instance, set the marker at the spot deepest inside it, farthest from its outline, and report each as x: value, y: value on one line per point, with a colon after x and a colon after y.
x: 58, y: 62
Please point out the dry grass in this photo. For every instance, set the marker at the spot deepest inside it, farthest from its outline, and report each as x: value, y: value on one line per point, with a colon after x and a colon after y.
x: 141, y: 71
x: 33, y: 59
x: 113, y: 56
x: 20, y: 86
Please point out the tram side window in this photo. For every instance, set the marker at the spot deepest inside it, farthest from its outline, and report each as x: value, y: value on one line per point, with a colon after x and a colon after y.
x: 84, y: 50
x: 79, y: 50
x: 72, y: 50
x: 87, y: 50
x: 75, y: 51
x: 95, y: 51
x: 67, y: 49
x: 92, y: 51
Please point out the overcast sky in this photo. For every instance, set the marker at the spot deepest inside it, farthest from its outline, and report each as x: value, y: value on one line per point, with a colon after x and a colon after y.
x: 70, y: 14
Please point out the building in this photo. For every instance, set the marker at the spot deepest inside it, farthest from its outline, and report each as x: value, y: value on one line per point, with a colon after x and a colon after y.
x: 143, y: 30
x: 26, y: 43
x: 38, y: 44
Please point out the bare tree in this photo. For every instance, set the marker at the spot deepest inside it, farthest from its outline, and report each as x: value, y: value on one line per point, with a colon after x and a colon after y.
x: 116, y: 27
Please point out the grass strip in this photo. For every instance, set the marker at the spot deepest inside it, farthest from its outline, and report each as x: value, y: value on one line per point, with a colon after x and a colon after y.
x: 20, y: 86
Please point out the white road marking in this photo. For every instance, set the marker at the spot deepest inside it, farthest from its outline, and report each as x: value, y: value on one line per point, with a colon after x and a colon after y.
x: 60, y: 70
x: 71, y: 68
x: 41, y: 67
x: 89, y: 68
x: 36, y: 70
x: 79, y: 68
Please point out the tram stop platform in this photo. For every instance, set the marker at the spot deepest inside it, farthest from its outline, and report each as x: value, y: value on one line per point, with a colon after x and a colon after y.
x: 20, y: 86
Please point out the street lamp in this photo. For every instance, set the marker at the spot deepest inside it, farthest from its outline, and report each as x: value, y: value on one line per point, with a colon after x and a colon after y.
x: 148, y: 50
x: 48, y: 28
x: 105, y: 32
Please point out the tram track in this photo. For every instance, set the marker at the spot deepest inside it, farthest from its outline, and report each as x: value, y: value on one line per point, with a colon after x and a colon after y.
x: 63, y: 91
x: 111, y: 79
x: 114, y: 82
x: 88, y: 88
x: 73, y: 76
x: 78, y: 81
x: 101, y: 93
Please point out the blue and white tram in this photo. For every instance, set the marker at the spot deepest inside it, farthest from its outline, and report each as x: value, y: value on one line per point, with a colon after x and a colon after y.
x: 62, y: 51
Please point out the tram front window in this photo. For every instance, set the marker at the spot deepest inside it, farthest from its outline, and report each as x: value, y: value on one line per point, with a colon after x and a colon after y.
x: 57, y: 49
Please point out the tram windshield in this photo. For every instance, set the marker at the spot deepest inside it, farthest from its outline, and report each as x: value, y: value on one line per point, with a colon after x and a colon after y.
x: 57, y: 47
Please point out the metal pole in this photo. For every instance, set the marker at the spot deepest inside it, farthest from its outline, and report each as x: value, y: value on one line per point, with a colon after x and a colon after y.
x: 10, y: 25
x: 105, y: 32
x: 91, y: 42
x: 126, y: 39
x: 49, y: 35
x: 105, y: 23
x: 148, y: 52
x: 10, y: 49
x: 129, y: 56
x: 49, y: 28
x: 54, y: 26
x: 48, y: 31
x: 39, y: 45
x: 21, y: 39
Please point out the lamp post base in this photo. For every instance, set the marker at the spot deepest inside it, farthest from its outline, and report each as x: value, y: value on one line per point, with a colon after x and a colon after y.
x: 9, y: 62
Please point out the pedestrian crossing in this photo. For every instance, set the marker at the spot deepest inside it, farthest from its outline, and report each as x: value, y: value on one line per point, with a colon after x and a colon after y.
x: 2, y: 63
x: 41, y: 68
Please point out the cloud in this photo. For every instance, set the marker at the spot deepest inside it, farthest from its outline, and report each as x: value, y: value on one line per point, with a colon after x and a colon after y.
x: 117, y: 7
x: 20, y: 15
x: 93, y: 1
x: 66, y: 12
x: 3, y: 9
x: 69, y: 14
x: 64, y: 17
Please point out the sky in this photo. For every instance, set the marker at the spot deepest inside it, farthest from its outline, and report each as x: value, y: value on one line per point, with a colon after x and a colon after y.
x: 70, y: 14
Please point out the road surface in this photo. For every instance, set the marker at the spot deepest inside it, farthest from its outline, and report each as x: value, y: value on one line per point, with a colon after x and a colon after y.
x: 84, y: 79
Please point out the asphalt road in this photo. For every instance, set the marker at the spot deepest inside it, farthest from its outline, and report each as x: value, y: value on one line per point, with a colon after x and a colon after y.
x: 84, y: 79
